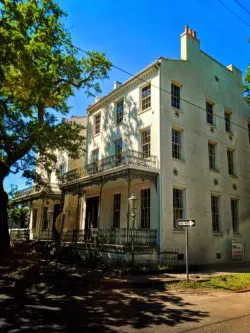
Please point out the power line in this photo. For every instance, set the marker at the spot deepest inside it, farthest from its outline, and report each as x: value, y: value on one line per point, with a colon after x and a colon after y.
x: 233, y: 12
x: 243, y: 7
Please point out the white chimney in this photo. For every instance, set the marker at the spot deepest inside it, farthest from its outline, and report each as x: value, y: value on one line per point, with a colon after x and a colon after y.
x: 190, y: 45
x: 117, y: 84
x: 97, y: 99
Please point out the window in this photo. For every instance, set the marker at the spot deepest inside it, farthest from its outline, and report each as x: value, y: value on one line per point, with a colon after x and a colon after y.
x: 146, y: 97
x: 230, y: 161
x: 145, y: 208
x: 34, y: 221
x: 249, y: 132
x: 178, y: 205
x: 176, y: 143
x: 118, y: 151
x: 175, y: 96
x: 212, y: 155
x: 95, y: 155
x: 145, y: 143
x: 116, y: 210
x: 234, y: 212
x: 215, y: 213
x: 97, y: 123
x: 210, y: 112
x: 227, y: 116
x: 119, y: 111
x: 45, y: 218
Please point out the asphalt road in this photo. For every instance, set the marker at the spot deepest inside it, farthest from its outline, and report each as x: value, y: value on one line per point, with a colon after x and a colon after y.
x: 65, y: 301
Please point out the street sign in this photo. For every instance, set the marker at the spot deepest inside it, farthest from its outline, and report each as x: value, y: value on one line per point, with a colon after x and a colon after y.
x: 186, y: 223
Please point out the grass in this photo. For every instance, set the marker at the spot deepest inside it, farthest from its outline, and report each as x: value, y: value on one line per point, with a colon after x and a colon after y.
x: 235, y: 282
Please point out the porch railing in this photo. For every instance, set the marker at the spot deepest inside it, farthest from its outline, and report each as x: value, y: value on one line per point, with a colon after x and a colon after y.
x: 34, y: 189
x: 143, y: 237
x: 127, y: 157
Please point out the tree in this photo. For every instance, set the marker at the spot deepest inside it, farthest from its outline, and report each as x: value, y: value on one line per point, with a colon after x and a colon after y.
x: 39, y: 70
x: 18, y: 213
x: 247, y: 86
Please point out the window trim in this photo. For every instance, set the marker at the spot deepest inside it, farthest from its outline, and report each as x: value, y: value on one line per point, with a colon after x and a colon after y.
x: 235, y: 231
x: 141, y: 144
x: 215, y: 145
x: 140, y: 99
x: 208, y: 101
x: 114, y: 210
x: 147, y: 209
x: 183, y: 191
x: 233, y: 173
x: 180, y: 132
x: 177, y: 98
x: 95, y: 116
x: 218, y: 197
x: 116, y: 113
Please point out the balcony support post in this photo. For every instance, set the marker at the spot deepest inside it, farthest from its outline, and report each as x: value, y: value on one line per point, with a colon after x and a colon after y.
x: 129, y: 185
x: 100, y: 204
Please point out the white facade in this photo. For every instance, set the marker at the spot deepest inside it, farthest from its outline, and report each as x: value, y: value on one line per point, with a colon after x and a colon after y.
x: 199, y: 79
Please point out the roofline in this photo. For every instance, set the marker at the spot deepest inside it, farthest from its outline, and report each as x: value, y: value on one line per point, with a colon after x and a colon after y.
x: 156, y: 64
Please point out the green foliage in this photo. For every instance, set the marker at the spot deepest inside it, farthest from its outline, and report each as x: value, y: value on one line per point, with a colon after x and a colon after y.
x: 39, y: 70
x: 247, y: 85
x: 18, y: 214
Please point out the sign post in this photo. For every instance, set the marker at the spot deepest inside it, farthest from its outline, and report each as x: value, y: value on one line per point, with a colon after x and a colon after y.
x: 186, y: 224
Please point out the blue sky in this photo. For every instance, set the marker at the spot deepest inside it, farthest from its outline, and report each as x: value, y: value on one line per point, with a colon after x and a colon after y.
x: 135, y: 33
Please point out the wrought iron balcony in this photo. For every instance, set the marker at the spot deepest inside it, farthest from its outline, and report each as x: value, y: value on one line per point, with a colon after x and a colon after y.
x: 51, y: 188
x: 127, y: 157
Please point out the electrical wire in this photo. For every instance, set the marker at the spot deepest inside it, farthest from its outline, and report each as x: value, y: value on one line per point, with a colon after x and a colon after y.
x: 234, y: 13
x: 243, y: 7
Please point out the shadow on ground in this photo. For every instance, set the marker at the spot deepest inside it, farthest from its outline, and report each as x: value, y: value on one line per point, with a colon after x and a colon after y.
x: 44, y: 298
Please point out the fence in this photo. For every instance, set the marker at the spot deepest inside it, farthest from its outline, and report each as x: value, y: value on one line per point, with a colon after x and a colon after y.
x: 19, y: 234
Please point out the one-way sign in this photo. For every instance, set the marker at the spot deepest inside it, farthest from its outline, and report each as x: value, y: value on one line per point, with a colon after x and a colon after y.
x: 186, y: 223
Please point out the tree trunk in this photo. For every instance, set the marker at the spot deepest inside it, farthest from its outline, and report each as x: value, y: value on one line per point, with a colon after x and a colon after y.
x: 4, y: 232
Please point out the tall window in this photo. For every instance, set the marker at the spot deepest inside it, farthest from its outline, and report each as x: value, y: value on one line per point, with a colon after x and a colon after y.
x: 215, y: 213
x: 210, y: 112
x: 116, y: 210
x: 227, y: 116
x: 234, y: 212
x: 118, y: 151
x: 212, y: 155
x: 34, y: 221
x: 45, y: 218
x: 95, y: 155
x: 249, y: 132
x: 176, y: 143
x: 119, y: 111
x: 97, y: 123
x: 146, y: 97
x: 145, y: 208
x: 175, y: 96
x: 230, y: 161
x: 145, y: 143
x: 178, y: 205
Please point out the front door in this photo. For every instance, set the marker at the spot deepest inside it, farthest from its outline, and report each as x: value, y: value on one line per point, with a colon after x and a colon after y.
x: 91, y: 218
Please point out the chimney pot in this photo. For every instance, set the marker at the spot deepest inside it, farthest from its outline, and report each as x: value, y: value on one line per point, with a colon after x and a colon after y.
x: 117, y: 84
x: 186, y: 28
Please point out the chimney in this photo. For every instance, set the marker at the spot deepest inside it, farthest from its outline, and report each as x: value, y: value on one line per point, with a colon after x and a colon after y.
x: 117, y: 84
x: 97, y: 99
x: 190, y: 45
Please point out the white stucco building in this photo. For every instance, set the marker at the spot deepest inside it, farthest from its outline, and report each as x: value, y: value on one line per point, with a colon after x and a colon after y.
x: 177, y: 135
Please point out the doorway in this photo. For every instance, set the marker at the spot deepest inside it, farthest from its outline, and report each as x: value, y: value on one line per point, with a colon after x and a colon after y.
x: 91, y: 218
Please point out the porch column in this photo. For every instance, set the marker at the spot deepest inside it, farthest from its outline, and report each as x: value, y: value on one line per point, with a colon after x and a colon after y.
x: 82, y: 211
x: 41, y: 218
x: 31, y: 223
x: 100, y: 205
x: 129, y: 185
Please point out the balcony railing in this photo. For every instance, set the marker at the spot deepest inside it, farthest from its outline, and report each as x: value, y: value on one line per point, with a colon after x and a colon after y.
x: 142, y: 237
x: 35, y: 189
x: 127, y: 157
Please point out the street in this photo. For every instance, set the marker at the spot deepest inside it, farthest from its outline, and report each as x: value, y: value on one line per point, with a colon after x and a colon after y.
x: 47, y: 300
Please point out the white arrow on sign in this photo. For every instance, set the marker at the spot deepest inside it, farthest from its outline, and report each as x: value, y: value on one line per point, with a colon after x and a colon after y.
x: 186, y: 223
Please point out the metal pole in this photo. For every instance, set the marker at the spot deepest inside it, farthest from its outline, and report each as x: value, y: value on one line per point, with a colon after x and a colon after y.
x: 187, y: 271
x: 132, y: 237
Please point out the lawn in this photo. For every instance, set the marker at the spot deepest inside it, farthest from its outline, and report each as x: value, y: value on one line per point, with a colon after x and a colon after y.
x: 234, y: 282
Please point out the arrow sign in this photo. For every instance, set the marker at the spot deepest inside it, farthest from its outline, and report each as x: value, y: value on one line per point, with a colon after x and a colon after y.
x: 186, y: 223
